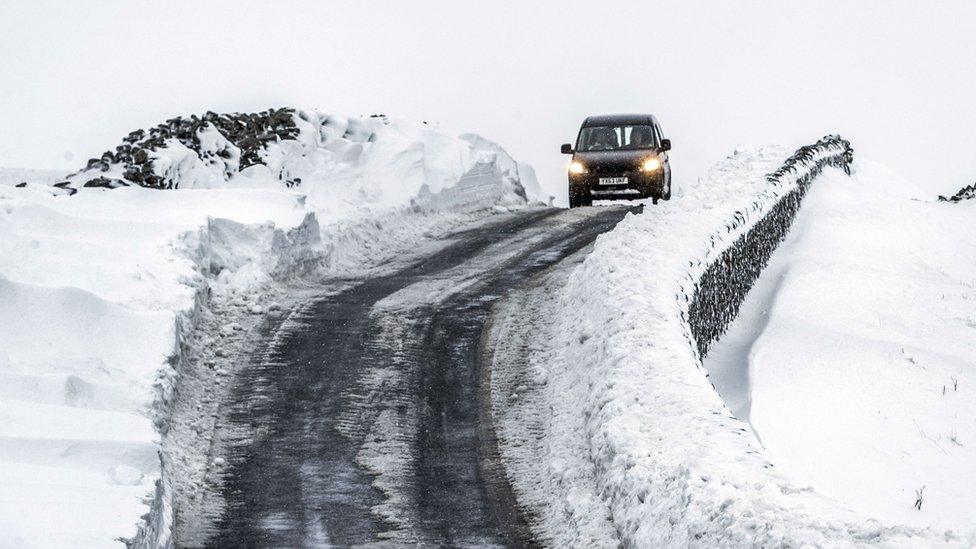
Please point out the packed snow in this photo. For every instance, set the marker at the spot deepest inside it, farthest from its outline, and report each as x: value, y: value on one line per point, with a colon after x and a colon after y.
x: 20, y: 176
x: 97, y: 288
x: 667, y: 458
x: 857, y: 351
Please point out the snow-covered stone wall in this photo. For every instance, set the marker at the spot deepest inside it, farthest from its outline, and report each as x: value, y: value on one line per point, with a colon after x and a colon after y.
x: 671, y: 463
x: 723, y: 285
x: 332, y: 158
x: 228, y: 142
x: 966, y: 193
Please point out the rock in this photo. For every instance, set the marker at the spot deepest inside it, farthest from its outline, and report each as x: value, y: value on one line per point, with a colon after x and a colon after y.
x: 965, y: 193
x: 219, y: 462
x: 63, y: 186
x: 246, y: 131
x: 220, y: 352
x: 105, y: 183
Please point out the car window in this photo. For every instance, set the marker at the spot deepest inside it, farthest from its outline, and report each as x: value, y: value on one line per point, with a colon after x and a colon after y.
x: 599, y: 138
x: 642, y: 137
x: 610, y: 138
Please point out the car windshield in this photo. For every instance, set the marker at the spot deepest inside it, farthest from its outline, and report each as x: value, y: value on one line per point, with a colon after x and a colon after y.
x: 612, y: 138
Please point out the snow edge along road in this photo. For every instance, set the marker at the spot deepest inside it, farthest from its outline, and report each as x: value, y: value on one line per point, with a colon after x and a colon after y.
x: 670, y: 462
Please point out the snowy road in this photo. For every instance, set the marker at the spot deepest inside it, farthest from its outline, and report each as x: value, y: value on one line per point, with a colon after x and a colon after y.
x: 367, y: 419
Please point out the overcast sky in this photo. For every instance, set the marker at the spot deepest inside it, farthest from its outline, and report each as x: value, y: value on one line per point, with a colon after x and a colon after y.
x: 896, y: 78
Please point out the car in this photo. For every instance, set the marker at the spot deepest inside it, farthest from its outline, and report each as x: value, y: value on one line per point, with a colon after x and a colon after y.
x: 619, y: 156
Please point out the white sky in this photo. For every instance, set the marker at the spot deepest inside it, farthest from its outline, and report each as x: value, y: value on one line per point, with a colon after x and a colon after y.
x: 896, y: 78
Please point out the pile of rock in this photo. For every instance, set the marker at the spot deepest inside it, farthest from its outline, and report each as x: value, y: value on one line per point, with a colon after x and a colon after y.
x: 249, y: 132
x: 965, y: 193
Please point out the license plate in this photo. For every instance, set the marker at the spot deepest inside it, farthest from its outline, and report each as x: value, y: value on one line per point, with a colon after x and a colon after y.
x: 613, y: 180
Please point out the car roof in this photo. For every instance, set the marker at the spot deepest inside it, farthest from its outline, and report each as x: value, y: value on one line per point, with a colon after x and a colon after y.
x: 619, y: 119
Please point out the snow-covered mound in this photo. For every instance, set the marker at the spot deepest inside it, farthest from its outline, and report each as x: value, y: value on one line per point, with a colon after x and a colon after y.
x: 300, y: 149
x: 862, y: 370
x: 672, y: 464
x: 99, y: 287
x: 234, y: 141
x: 20, y: 176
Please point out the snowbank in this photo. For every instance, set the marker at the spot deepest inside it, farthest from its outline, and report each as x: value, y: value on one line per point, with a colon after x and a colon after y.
x: 94, y: 287
x: 20, y: 176
x: 672, y: 463
x: 862, y: 372
x: 102, y: 280
x: 378, y: 161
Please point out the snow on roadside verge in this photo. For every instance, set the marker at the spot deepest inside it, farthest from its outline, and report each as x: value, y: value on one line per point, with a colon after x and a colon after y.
x: 675, y: 467
x: 102, y: 288
x: 535, y: 415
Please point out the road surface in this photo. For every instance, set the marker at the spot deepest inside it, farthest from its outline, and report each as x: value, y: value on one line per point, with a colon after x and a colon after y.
x: 367, y: 420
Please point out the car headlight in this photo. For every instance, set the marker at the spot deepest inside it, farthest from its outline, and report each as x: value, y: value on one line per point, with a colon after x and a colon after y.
x: 650, y: 165
x: 576, y: 167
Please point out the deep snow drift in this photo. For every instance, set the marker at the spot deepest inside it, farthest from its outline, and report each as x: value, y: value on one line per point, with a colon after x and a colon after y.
x: 667, y: 463
x: 859, y: 348
x: 98, y: 288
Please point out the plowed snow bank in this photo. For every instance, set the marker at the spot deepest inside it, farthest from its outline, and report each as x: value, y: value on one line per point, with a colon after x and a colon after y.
x: 98, y: 290
x: 671, y: 462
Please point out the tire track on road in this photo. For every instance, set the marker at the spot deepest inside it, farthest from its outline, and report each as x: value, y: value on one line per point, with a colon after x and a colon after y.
x: 365, y: 428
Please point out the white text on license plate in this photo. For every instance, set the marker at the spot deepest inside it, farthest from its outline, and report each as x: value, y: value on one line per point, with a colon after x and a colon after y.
x: 613, y: 180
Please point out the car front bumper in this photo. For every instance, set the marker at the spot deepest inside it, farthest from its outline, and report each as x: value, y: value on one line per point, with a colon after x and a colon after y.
x: 639, y: 185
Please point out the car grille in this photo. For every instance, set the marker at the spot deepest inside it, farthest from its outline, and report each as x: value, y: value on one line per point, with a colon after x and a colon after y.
x: 612, y: 169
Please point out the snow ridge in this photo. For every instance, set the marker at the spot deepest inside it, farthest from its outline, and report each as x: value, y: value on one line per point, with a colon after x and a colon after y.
x: 234, y: 262
x: 673, y: 464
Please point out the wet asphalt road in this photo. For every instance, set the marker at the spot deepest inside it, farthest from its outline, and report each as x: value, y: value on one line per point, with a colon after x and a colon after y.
x: 366, y: 420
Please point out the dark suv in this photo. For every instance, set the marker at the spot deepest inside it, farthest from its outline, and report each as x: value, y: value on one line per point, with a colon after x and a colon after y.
x: 619, y: 156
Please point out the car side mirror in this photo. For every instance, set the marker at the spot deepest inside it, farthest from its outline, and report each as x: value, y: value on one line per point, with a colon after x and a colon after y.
x: 566, y: 149
x: 665, y: 144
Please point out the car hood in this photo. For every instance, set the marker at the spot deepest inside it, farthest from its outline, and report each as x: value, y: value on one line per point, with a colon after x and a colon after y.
x: 600, y: 161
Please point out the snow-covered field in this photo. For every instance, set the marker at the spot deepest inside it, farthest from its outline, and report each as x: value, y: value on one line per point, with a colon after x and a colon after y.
x: 852, y: 357
x: 859, y: 351
x: 97, y: 289
x: 667, y: 463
